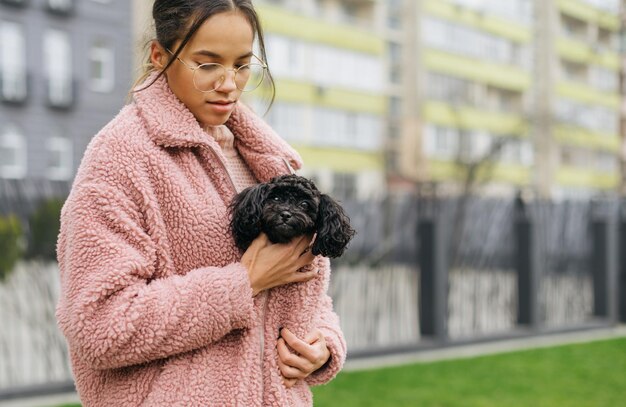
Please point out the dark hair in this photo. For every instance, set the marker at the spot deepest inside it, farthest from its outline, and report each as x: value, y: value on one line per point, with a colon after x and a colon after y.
x: 180, y: 19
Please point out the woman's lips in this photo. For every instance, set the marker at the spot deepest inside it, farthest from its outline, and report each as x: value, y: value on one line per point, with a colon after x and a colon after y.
x: 221, y: 107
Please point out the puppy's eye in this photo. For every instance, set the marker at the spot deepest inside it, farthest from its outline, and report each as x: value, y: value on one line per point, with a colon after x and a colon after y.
x: 276, y: 199
x: 304, y: 205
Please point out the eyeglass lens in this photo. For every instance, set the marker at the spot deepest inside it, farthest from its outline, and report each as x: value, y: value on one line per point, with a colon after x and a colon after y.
x: 208, y: 77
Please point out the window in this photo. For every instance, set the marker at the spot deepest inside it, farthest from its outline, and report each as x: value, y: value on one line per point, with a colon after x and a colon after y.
x: 464, y: 40
x: 395, y: 62
x: 591, y: 117
x: 607, y: 162
x: 102, y: 67
x: 518, y: 10
x: 394, y: 17
x: 573, y: 71
x: 324, y: 65
x: 12, y: 62
x: 573, y: 28
x: 395, y: 107
x: 603, y: 78
x: 515, y: 151
x: 576, y: 157
x: 344, y: 185
x: 287, y: 120
x: 480, y: 145
x: 607, y: 40
x: 339, y: 128
x: 347, y: 69
x: 611, y: 6
x: 287, y: 56
x: 461, y: 92
x: 60, y: 158
x: 393, y: 131
x: 58, y: 63
x: 441, y: 142
x: 12, y: 153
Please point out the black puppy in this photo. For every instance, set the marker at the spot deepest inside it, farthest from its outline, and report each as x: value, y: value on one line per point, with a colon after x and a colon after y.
x: 288, y: 206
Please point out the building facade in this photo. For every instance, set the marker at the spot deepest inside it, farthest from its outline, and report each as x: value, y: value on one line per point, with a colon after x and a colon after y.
x: 525, y: 93
x: 65, y: 71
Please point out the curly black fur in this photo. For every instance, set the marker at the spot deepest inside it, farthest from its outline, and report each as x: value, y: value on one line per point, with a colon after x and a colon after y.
x: 288, y: 206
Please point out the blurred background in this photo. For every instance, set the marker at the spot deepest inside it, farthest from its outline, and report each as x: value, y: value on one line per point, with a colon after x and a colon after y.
x: 477, y: 145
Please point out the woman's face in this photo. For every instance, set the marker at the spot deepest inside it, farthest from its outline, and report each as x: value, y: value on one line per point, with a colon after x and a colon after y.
x: 225, y: 38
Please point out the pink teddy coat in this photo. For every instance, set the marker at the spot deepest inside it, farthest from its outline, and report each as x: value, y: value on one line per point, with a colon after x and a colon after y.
x: 156, y: 308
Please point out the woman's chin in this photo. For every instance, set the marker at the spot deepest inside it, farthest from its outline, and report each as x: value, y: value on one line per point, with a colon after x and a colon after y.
x: 215, y: 120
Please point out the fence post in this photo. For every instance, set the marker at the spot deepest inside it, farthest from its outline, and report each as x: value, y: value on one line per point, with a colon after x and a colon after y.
x: 622, y: 262
x: 604, y: 269
x: 527, y: 265
x: 433, y: 296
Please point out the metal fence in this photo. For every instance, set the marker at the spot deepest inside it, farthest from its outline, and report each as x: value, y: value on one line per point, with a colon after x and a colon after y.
x: 421, y: 273
x: 475, y: 269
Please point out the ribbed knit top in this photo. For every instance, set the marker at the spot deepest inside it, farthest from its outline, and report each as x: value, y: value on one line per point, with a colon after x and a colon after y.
x: 237, y: 168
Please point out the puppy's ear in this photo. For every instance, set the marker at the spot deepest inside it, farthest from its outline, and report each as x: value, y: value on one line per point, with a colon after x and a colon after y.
x: 246, y: 212
x: 333, y: 229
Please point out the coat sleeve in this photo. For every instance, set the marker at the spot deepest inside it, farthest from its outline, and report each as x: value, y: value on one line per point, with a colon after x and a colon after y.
x: 327, y: 321
x: 114, y: 310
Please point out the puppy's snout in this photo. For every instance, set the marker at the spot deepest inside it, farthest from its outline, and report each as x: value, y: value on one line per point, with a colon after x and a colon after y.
x: 285, y: 215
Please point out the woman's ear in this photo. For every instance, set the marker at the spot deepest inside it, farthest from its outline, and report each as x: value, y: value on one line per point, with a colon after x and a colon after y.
x: 158, y: 55
x: 333, y: 229
x: 246, y: 211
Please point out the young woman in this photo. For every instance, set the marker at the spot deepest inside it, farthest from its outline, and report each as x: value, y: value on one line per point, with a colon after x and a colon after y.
x: 157, y: 305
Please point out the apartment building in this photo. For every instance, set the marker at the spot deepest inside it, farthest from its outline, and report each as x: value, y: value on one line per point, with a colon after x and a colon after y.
x: 65, y: 70
x: 525, y: 90
x: 586, y: 96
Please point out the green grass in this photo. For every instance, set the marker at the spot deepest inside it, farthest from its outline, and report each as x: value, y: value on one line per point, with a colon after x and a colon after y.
x: 592, y: 374
x: 589, y: 375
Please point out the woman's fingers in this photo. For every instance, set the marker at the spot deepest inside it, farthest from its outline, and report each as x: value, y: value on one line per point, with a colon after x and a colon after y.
x: 314, y: 336
x: 302, y: 276
x: 260, y: 241
x: 316, y: 353
x: 291, y: 360
x: 290, y: 372
x: 289, y: 382
x: 297, y: 344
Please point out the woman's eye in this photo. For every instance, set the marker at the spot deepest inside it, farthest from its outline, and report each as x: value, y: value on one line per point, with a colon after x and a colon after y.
x: 208, y: 67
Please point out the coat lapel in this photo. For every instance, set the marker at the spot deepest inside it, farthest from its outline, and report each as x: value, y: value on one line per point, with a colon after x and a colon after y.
x: 171, y: 124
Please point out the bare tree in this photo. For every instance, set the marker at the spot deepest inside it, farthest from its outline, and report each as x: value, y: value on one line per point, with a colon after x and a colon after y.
x: 475, y: 172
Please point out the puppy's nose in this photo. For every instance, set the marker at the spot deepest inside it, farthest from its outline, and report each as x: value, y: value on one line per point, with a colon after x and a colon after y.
x: 285, y: 215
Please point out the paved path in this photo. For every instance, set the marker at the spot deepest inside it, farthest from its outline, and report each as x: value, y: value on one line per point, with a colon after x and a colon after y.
x: 487, y: 348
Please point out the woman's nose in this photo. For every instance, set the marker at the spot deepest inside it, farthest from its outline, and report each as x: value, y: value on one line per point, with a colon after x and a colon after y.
x: 228, y: 83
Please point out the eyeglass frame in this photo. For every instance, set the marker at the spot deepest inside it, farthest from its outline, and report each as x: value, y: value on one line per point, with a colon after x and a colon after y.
x: 235, y: 70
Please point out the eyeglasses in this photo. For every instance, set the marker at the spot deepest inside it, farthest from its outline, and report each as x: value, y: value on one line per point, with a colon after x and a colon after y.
x: 209, y: 77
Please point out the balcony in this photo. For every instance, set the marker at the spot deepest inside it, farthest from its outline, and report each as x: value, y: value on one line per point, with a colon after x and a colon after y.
x: 61, y: 93
x: 13, y: 87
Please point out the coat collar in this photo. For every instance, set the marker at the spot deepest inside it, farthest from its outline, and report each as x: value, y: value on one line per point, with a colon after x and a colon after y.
x: 171, y: 124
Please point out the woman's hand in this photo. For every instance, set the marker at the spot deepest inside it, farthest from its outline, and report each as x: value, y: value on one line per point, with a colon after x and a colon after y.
x: 311, y: 354
x: 270, y: 265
